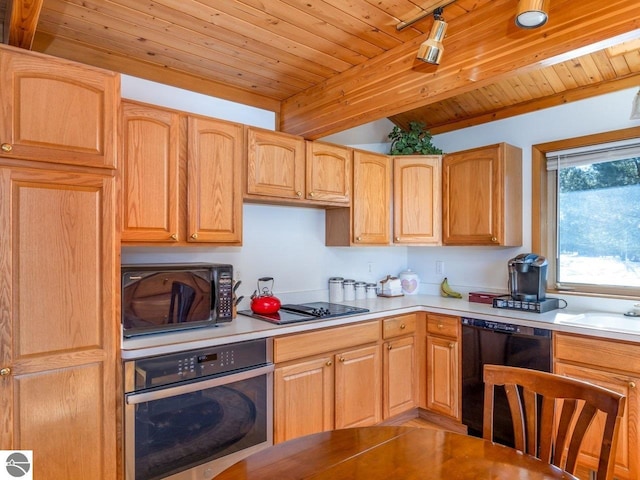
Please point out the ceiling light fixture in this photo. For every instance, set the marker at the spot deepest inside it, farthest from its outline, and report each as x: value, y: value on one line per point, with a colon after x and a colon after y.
x: 635, y: 107
x: 431, y: 49
x: 532, y: 13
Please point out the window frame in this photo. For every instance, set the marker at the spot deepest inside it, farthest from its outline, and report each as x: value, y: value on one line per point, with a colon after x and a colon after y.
x: 543, y: 235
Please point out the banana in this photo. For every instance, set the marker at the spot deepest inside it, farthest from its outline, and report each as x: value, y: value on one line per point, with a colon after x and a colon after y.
x: 446, y: 291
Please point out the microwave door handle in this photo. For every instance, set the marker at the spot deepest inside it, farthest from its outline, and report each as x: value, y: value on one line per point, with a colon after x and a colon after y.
x: 136, y: 398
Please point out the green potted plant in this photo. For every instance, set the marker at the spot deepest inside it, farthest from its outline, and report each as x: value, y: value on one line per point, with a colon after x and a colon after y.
x: 415, y: 141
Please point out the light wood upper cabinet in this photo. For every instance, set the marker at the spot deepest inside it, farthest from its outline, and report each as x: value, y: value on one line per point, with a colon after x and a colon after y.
x: 57, y: 111
x: 614, y: 365
x: 443, y: 365
x: 417, y: 194
x: 58, y: 320
x: 328, y: 170
x: 275, y: 164
x: 482, y: 196
x: 150, y: 173
x: 173, y: 197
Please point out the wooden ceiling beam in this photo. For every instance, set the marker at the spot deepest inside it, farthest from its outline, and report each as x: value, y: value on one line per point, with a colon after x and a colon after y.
x: 22, y: 17
x: 481, y: 48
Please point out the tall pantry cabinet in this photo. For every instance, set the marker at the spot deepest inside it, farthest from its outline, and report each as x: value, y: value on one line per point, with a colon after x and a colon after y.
x: 58, y: 265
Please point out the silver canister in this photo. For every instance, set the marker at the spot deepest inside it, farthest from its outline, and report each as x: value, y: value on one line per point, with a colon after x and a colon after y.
x: 336, y: 289
x: 372, y: 290
x: 349, y: 289
x: 361, y: 290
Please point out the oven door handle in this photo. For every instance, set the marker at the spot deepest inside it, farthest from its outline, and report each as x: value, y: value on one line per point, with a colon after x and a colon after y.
x: 135, y: 398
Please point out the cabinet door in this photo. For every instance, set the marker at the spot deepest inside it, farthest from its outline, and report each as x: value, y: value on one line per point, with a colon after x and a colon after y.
x: 56, y: 110
x: 328, y: 172
x: 627, y: 455
x: 400, y: 376
x: 482, y: 196
x: 58, y: 322
x: 417, y: 195
x: 358, y: 389
x: 215, y: 153
x: 443, y: 377
x: 303, y: 399
x: 371, y: 198
x: 275, y: 164
x: 150, y: 148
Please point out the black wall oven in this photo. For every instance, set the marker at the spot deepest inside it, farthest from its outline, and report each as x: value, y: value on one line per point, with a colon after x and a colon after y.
x: 487, y: 342
x: 189, y: 415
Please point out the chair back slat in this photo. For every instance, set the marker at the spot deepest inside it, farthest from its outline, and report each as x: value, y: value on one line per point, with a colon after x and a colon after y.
x: 567, y: 408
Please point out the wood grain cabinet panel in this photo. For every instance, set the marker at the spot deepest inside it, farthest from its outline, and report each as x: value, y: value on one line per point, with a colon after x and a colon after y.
x: 58, y: 321
x: 275, y: 165
x: 417, y: 194
x: 57, y: 111
x: 614, y: 365
x: 443, y: 365
x: 181, y: 177
x: 482, y: 196
x: 400, y: 376
x: 328, y: 172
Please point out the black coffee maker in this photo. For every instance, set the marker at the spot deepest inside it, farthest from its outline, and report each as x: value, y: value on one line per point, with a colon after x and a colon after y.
x: 528, y: 277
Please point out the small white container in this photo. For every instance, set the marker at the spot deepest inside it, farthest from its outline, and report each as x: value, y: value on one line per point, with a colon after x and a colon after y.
x: 410, y: 282
x: 336, y: 289
x: 349, y: 289
x: 372, y: 290
x: 361, y: 290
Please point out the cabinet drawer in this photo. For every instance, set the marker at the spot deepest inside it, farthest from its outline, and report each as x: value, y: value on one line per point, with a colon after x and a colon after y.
x: 313, y: 343
x: 402, y: 325
x: 597, y: 352
x: 443, y: 325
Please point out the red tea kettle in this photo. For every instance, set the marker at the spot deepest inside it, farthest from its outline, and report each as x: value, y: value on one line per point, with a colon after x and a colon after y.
x: 262, y: 300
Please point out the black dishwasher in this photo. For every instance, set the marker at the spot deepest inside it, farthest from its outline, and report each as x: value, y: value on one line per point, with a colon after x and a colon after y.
x: 497, y: 343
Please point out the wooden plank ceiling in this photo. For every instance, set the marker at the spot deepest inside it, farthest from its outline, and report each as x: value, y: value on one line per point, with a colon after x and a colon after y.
x: 328, y: 65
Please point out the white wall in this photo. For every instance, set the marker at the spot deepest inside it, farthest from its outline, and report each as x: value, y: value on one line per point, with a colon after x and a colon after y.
x: 286, y: 243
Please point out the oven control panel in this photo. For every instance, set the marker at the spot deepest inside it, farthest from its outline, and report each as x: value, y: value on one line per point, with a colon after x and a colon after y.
x: 177, y: 367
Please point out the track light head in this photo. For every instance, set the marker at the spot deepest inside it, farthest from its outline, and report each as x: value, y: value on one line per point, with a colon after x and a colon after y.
x: 431, y: 49
x: 532, y: 13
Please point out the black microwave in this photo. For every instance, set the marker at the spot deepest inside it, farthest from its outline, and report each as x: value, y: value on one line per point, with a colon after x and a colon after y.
x: 161, y: 298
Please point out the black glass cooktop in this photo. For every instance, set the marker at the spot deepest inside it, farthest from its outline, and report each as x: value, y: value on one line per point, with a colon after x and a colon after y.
x: 291, y: 313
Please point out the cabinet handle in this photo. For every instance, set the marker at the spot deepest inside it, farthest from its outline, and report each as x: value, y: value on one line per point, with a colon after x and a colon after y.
x: 389, y: 347
x: 194, y: 235
x: 358, y: 238
x: 403, y: 326
x: 494, y: 239
x: 632, y: 384
x: 329, y: 363
x: 397, y: 239
x: 6, y: 147
x: 342, y: 359
x: 5, y: 371
x: 174, y: 236
x: 441, y: 326
x: 451, y: 345
x: 299, y: 194
x: 312, y: 194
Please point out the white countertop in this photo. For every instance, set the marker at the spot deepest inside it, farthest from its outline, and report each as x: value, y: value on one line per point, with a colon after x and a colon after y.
x: 612, y: 325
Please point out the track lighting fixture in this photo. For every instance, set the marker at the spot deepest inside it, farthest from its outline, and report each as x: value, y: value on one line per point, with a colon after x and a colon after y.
x: 431, y: 49
x: 532, y: 13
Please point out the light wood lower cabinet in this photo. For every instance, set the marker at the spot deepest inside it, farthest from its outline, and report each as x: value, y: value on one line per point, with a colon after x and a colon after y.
x: 327, y: 379
x: 614, y: 365
x: 399, y: 365
x: 443, y: 365
x: 58, y: 348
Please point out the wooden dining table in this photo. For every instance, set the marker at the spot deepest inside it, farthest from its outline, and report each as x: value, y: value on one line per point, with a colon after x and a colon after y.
x: 391, y: 453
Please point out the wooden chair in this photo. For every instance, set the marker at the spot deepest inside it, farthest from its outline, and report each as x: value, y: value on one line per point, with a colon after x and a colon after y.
x: 568, y: 407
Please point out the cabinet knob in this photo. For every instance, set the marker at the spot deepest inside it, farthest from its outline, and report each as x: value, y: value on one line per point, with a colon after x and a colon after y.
x: 440, y: 325
x: 451, y: 345
x: 632, y: 384
x: 6, y: 147
x: 5, y: 371
x: 342, y: 359
x: 194, y: 236
x: 174, y: 236
x: 358, y: 238
x: 329, y: 363
x: 389, y: 347
x: 494, y: 239
x: 312, y: 194
x: 403, y: 326
x: 397, y: 239
x: 299, y: 194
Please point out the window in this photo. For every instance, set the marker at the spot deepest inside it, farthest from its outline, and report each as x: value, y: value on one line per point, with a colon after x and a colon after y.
x: 588, y: 220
